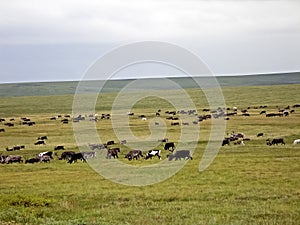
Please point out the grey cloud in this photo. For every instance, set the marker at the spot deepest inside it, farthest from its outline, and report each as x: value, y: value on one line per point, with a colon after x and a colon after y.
x: 99, y: 21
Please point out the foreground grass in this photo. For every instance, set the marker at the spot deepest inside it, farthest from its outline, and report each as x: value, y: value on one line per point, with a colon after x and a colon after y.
x: 251, y: 184
x: 240, y: 187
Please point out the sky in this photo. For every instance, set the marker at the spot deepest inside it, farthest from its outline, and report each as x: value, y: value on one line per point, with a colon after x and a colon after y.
x: 57, y: 40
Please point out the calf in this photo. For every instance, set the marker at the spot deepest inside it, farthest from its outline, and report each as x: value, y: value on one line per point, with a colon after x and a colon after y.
x: 65, y: 121
x: 32, y: 160
x: 113, y: 152
x: 16, y: 148
x: 152, y: 153
x: 40, y: 142
x: 226, y: 141
x: 76, y: 156
x: 134, y: 154
x: 169, y: 145
x: 181, y: 154
x: 260, y: 135
x: 59, y: 147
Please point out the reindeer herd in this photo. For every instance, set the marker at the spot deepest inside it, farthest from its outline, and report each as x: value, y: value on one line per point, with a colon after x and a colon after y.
x: 112, y: 151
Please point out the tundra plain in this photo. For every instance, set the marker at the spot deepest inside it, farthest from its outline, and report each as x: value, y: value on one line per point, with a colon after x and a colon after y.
x: 250, y: 184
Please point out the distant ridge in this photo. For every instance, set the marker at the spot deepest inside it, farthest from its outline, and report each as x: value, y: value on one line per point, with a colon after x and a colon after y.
x: 260, y: 79
x: 69, y: 87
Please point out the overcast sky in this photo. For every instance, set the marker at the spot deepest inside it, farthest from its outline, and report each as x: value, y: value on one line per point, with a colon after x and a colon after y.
x: 49, y: 40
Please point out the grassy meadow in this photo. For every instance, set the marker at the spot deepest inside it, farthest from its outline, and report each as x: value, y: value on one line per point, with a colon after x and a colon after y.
x: 250, y: 184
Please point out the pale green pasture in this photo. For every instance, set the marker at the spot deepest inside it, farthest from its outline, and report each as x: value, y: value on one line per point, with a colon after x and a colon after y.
x: 251, y: 184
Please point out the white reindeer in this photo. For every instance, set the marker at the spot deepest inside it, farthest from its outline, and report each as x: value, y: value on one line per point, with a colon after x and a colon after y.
x: 297, y: 141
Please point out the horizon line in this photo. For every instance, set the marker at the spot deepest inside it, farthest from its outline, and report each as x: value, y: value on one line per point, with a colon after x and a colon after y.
x: 167, y: 77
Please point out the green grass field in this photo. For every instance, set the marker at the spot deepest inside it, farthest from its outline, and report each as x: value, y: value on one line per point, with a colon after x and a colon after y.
x: 251, y: 184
